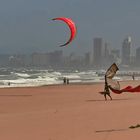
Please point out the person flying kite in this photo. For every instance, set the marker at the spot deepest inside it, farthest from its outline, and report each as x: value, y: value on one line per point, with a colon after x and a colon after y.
x: 116, y: 89
x: 110, y: 73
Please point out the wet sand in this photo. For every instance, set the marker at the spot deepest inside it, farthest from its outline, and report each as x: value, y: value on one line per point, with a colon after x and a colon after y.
x: 68, y: 112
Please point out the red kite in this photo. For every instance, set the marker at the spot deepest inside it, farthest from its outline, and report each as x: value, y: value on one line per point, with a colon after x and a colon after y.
x: 71, y: 26
x: 126, y: 89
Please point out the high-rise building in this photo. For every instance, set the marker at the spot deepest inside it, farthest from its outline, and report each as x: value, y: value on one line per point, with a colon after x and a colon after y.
x: 47, y: 59
x: 39, y: 59
x: 55, y: 58
x: 87, y: 59
x: 115, y: 53
x: 138, y: 56
x: 97, y: 52
x: 126, y: 47
x: 106, y: 50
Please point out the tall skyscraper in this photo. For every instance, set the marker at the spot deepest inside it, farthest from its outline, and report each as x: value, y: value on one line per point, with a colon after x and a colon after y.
x: 97, y: 52
x: 106, y: 50
x: 126, y: 46
x: 87, y: 59
x: 138, y: 56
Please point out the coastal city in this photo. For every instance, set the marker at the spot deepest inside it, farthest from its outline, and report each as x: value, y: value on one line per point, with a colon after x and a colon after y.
x: 69, y: 70
x: 100, y: 56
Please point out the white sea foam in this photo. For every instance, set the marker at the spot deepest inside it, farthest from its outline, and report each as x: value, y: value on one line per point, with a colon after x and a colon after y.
x: 31, y: 77
x: 22, y: 74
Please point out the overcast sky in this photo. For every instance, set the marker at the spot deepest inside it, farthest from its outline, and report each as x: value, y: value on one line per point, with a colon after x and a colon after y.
x: 26, y: 25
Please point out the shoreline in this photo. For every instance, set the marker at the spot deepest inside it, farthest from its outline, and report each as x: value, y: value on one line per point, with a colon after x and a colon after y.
x: 70, y: 84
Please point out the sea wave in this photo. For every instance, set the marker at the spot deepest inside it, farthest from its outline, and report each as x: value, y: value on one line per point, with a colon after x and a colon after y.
x: 33, y: 77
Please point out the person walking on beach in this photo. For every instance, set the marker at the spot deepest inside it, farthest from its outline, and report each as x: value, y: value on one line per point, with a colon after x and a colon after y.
x: 133, y: 77
x: 64, y: 80
x: 106, y: 89
x: 67, y: 80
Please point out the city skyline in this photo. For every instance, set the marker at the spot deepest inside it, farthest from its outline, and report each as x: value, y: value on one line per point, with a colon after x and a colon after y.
x: 104, y: 42
x: 101, y: 56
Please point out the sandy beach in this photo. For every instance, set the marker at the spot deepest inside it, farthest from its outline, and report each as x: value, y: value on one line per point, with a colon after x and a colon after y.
x: 68, y: 112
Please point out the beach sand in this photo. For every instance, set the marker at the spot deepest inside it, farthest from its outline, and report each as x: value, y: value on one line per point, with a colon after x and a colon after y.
x: 68, y: 112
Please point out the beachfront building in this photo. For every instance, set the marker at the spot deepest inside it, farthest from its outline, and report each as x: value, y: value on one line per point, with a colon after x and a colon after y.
x: 97, y: 52
x: 107, y: 57
x: 87, y: 59
x: 53, y: 59
x: 116, y: 55
x: 106, y: 51
x: 39, y: 59
x: 138, y: 56
x: 126, y: 47
x: 56, y: 58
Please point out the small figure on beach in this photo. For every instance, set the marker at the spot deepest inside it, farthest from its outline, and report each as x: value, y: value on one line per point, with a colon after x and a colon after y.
x: 133, y: 77
x: 67, y: 80
x: 64, y: 80
x: 8, y: 83
x: 106, y: 89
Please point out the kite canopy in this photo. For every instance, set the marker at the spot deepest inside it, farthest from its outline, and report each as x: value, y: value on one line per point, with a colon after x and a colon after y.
x: 111, y: 71
x: 71, y: 26
x: 126, y: 89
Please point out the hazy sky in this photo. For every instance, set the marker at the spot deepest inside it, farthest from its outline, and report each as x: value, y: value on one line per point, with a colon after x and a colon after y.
x: 26, y: 25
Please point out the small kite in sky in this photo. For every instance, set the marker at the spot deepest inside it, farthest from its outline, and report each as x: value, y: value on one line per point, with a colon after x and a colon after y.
x: 71, y: 26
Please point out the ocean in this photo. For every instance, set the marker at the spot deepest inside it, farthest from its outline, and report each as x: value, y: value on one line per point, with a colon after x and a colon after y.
x: 22, y: 77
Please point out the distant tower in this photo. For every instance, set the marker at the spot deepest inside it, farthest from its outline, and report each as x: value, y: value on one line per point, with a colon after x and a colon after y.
x: 106, y: 50
x: 87, y: 59
x: 138, y: 56
x: 97, y: 52
x: 126, y: 46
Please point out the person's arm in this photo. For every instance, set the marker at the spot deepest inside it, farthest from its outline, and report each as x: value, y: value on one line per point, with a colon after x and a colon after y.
x: 106, y: 80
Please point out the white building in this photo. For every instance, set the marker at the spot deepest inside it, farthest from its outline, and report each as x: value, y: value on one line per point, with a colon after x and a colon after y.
x: 126, y: 51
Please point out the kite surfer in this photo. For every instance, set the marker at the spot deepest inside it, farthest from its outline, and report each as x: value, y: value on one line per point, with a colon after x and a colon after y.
x: 106, y: 89
x: 110, y: 73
